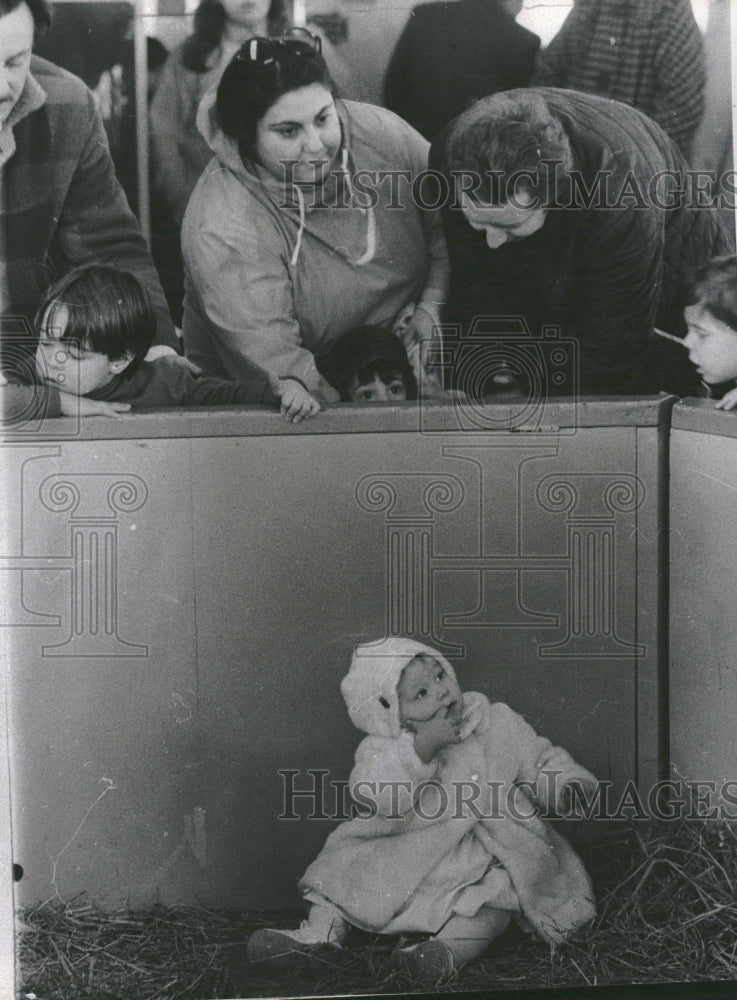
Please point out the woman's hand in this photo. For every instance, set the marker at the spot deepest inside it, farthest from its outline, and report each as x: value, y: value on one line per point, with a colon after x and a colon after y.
x: 296, y: 402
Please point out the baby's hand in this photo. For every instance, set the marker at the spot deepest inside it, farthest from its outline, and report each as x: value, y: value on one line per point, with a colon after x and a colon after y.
x: 575, y: 805
x: 434, y: 734
x: 472, y: 716
x: 728, y: 401
x: 296, y: 402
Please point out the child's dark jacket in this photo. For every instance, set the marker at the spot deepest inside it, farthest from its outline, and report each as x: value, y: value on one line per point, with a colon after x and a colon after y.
x: 168, y: 382
x: 165, y: 382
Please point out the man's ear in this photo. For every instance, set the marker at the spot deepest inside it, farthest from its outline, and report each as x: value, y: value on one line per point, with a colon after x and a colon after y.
x: 120, y: 364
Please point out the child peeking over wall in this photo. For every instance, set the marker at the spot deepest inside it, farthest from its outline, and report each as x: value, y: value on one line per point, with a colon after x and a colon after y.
x: 369, y: 364
x: 95, y: 327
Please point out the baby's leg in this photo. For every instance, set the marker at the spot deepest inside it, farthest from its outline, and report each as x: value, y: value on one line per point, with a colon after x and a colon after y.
x: 469, y: 937
x: 462, y: 939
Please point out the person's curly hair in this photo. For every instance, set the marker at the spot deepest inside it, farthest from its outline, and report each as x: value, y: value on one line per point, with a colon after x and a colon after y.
x: 504, y: 142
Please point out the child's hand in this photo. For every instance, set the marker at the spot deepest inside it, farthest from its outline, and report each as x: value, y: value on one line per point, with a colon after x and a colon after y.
x: 296, y: 402
x: 436, y: 733
x: 80, y: 406
x: 728, y: 401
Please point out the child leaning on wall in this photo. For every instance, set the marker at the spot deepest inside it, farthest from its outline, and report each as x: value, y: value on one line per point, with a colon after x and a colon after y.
x: 712, y: 328
x: 95, y: 327
x: 454, y: 846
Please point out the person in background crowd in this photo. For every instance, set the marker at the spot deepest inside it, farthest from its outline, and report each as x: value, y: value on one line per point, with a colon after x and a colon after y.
x: 372, y: 31
x: 282, y: 253
x: 712, y: 144
x: 453, y: 52
x: 62, y: 205
x: 178, y: 151
x: 647, y: 53
x: 572, y: 231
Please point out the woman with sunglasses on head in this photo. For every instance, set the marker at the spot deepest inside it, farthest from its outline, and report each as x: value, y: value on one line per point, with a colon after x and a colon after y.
x: 304, y: 225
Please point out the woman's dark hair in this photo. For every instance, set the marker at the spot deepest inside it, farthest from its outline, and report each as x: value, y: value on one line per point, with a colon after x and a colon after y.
x: 209, y: 24
x: 39, y: 12
x: 715, y: 288
x: 109, y: 312
x: 247, y: 89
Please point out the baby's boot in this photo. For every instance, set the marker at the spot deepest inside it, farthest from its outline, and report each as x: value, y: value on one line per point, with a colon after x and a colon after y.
x: 429, y: 963
x: 279, y: 948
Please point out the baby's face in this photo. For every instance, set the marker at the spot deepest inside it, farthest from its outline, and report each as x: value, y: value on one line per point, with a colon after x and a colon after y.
x: 426, y: 689
x: 711, y: 345
x: 378, y: 391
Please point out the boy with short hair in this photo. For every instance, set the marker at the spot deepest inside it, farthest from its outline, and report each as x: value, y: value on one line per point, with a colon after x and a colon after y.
x: 712, y: 326
x: 95, y: 327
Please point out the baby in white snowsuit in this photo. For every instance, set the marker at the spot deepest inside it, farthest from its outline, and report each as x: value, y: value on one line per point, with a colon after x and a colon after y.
x: 453, y: 844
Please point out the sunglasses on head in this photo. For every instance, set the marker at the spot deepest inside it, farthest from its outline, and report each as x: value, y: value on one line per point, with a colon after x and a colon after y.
x: 265, y: 51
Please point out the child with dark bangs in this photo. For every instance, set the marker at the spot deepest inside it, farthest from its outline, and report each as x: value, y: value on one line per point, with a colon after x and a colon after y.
x: 95, y: 328
x: 369, y: 364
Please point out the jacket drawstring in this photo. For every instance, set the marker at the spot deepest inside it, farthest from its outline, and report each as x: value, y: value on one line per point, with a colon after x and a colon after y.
x: 368, y: 255
x: 298, y: 244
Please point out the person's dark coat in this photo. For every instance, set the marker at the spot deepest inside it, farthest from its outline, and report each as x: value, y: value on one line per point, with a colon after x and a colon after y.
x: 449, y: 55
x: 606, y: 274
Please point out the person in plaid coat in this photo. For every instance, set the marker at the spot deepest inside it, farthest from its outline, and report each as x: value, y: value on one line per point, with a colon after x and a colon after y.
x: 647, y: 53
x: 61, y: 205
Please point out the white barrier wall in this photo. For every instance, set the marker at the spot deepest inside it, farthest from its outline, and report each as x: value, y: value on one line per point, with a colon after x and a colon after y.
x: 182, y: 593
x: 703, y: 584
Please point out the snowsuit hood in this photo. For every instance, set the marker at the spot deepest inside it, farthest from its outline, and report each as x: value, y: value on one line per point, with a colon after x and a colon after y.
x: 370, y: 686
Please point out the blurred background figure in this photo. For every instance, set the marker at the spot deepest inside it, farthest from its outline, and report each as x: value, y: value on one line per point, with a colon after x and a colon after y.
x: 647, y: 53
x: 712, y: 145
x: 453, y: 52
x: 178, y: 152
x: 372, y: 30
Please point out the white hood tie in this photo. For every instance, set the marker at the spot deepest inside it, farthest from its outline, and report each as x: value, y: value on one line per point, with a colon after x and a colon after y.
x: 368, y: 255
x: 298, y: 244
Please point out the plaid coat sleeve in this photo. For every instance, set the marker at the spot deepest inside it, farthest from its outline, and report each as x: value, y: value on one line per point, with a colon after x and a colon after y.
x: 681, y: 72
